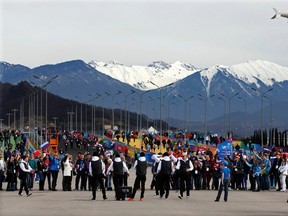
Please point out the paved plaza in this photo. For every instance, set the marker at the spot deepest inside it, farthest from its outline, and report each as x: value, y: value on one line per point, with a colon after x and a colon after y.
x: 58, y: 203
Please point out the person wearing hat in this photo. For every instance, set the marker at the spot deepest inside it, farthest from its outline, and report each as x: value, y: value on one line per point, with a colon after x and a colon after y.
x: 225, y: 177
x: 140, y: 166
x: 184, y: 166
x: 97, y: 172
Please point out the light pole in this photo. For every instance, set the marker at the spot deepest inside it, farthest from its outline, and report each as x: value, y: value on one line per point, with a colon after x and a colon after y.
x: 118, y: 92
x: 270, y: 119
x: 224, y: 129
x: 8, y: 114
x: 46, y: 114
x: 245, y: 119
x: 154, y: 109
x: 126, y: 110
x: 185, y: 113
x: 70, y: 120
x: 99, y: 95
x: 168, y: 114
x: 14, y: 114
x: 229, y: 112
x: 262, y: 94
x: 1, y: 120
x: 205, y: 115
x: 93, y: 112
x: 140, y: 128
x: 129, y: 112
x: 55, y: 118
x: 80, y: 113
x: 161, y: 89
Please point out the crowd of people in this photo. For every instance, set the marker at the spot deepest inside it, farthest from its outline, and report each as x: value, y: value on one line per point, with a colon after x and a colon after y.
x: 178, y: 169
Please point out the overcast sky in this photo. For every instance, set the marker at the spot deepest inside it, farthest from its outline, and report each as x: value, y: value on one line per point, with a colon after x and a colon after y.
x: 203, y: 33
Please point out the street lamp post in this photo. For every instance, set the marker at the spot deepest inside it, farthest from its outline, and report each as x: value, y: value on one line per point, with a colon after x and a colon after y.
x: 126, y: 110
x: 46, y: 113
x: 161, y: 89
x: 103, y: 98
x: 1, y: 120
x: 8, y: 114
x: 168, y: 114
x: 262, y: 94
x: 81, y: 129
x: 118, y: 92
x: 140, y: 113
x: 185, y: 113
x: 70, y: 120
x: 229, y: 112
x: 270, y: 117
x: 224, y: 129
x: 245, y: 119
x: 205, y: 115
x: 55, y: 118
x: 154, y: 109
x: 14, y: 114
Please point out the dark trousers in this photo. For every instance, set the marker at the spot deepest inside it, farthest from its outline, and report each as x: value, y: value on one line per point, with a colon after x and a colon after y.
x: 30, y: 180
x: 42, y: 177
x: 1, y: 178
x: 24, y: 185
x: 118, y: 181
x: 139, y: 179
x: 252, y: 181
x: 265, y: 182
x: 176, y: 181
x: 67, y: 183
x: 156, y: 184
x: 185, y: 180
x: 54, y: 175
x: 125, y: 179
x: 81, y: 176
x: 48, y: 176
x: 98, y: 179
x: 197, y: 181
x: 164, y: 185
x: 225, y: 190
x: 206, y: 180
x: 89, y: 182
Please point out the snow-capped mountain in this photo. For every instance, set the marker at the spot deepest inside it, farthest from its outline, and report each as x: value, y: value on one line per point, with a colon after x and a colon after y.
x: 159, y: 72
x: 217, y: 87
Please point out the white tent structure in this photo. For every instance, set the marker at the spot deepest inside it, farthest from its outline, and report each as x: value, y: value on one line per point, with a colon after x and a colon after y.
x: 152, y: 130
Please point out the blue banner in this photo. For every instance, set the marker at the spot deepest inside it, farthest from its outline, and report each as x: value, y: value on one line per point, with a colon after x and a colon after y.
x: 224, y: 149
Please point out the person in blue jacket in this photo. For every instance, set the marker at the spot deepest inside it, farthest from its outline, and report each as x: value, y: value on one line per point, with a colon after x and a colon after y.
x: 54, y: 169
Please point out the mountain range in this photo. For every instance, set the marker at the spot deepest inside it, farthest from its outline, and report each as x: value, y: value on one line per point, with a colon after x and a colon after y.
x: 186, y: 91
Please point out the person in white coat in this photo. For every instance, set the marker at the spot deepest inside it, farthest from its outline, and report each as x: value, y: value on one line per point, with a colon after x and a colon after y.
x: 283, y: 169
x: 67, y: 172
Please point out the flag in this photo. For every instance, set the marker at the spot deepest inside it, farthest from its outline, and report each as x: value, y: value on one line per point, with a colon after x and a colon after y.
x: 45, y: 145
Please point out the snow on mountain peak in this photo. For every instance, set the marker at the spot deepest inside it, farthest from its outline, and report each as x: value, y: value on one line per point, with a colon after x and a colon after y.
x: 253, y: 71
x: 160, y: 72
